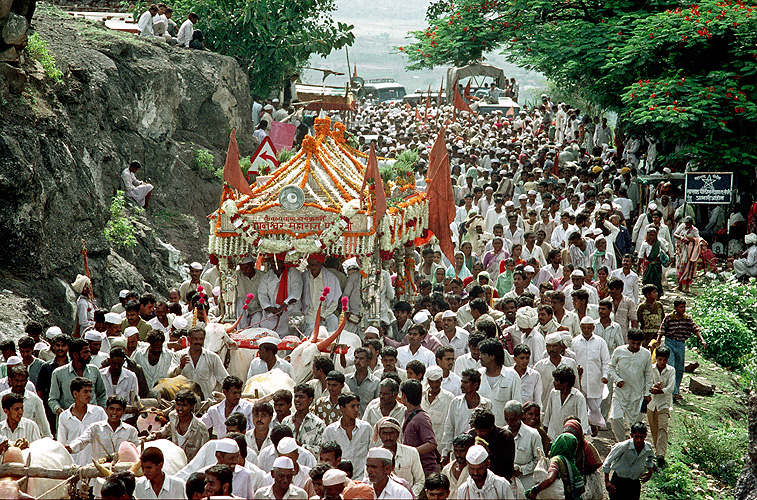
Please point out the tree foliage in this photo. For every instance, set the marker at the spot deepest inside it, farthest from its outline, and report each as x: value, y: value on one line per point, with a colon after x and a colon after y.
x: 270, y: 38
x: 683, y: 73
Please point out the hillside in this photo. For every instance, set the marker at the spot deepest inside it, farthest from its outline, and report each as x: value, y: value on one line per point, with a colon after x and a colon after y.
x: 64, y: 144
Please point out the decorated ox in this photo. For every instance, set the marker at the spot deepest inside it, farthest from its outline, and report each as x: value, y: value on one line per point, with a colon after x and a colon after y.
x: 167, y: 388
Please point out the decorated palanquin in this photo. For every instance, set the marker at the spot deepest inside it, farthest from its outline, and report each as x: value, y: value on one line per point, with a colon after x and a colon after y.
x: 317, y: 202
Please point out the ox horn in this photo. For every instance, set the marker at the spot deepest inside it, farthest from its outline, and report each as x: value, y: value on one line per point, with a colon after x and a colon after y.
x: 325, y: 343
x: 102, y: 470
x: 137, y: 466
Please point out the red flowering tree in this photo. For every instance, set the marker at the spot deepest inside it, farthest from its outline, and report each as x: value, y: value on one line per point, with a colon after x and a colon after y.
x: 681, y: 73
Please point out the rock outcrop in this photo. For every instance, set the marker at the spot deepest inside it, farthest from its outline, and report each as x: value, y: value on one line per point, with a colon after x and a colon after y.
x: 14, y: 22
x: 64, y: 145
x: 746, y: 487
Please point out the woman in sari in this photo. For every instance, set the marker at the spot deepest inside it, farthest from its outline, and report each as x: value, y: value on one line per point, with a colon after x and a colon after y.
x: 470, y: 257
x: 564, y: 281
x: 517, y: 250
x: 688, y: 250
x: 588, y: 461
x: 438, y: 276
x: 493, y: 257
x: 652, y: 257
x: 602, y: 289
x: 504, y: 282
x: 562, y: 465
x: 458, y: 269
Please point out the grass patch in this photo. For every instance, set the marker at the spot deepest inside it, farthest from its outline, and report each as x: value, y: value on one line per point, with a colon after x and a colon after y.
x: 205, y: 161
x: 39, y: 50
x: 119, y: 230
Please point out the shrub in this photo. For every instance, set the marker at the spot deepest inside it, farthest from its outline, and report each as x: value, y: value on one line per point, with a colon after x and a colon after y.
x: 38, y: 49
x: 718, y: 451
x: 674, y: 482
x: 729, y: 340
x: 120, y: 228
x: 205, y: 160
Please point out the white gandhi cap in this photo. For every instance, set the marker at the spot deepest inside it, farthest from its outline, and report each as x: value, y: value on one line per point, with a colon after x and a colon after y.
x: 477, y: 454
x: 113, y: 318
x: 287, y: 445
x: 283, y: 463
x: 332, y: 477
x: 380, y: 453
x: 196, y: 266
x: 227, y: 445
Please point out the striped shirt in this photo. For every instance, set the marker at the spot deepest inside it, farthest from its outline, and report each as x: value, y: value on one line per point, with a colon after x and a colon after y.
x: 678, y: 328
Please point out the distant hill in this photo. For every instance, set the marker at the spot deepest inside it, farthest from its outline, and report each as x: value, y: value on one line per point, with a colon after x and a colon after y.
x: 381, y: 25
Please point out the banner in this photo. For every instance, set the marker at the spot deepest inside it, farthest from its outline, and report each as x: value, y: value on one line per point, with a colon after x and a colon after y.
x: 709, y: 188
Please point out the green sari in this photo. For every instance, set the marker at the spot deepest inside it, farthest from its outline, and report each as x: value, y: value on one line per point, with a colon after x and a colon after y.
x: 563, y: 453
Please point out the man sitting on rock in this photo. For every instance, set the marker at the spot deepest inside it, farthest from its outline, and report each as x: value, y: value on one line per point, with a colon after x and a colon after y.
x: 146, y: 21
x: 187, y: 30
x: 140, y: 191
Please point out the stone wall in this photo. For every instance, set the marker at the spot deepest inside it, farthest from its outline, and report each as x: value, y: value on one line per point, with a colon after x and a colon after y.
x: 14, y: 22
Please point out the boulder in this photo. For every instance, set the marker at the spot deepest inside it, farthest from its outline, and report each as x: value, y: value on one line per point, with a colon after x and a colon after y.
x: 5, y: 7
x: 9, y: 55
x: 14, y: 31
x: 691, y: 367
x: 15, y: 78
x: 701, y: 387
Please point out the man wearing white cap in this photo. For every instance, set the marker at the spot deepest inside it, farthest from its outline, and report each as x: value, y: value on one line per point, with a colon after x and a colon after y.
x: 119, y: 308
x: 577, y: 283
x: 112, y: 329
x: 436, y: 401
x: 593, y: 361
x: 422, y: 318
x: 453, y: 335
x: 195, y: 271
x: 334, y: 481
x: 407, y: 462
x: 555, y: 345
x: 282, y: 487
x: 85, y: 306
x: 379, y: 466
x: 286, y: 448
x: 268, y: 359
x: 279, y: 292
x: 244, y: 482
x: 482, y: 483
x: 95, y: 340
x: 248, y: 283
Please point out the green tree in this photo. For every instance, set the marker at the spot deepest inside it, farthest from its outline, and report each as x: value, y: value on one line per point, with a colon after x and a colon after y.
x: 272, y: 39
x: 680, y: 72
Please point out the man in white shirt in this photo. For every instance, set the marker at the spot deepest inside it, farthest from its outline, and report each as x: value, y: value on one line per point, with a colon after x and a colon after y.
x: 436, y: 401
x: 460, y: 410
x: 564, y: 401
x: 75, y: 420
x: 593, y: 360
x: 414, y: 350
x: 407, y: 461
x: 34, y: 408
x: 498, y: 384
x: 445, y: 360
x: 156, y: 359
x: 483, y: 483
x: 198, y: 364
x: 629, y: 278
x: 16, y: 426
x: 156, y: 484
x: 146, y: 21
x: 268, y: 359
x: 315, y: 281
x: 117, y: 379
x: 107, y: 435
x: 555, y: 345
x: 607, y: 329
x: 282, y: 487
x: 658, y: 409
x: 352, y: 434
x: 577, y: 283
x: 453, y: 335
x: 560, y: 234
x: 245, y: 480
x: 630, y: 372
x: 186, y: 31
x: 469, y: 360
x: 532, y: 251
x: 379, y: 467
x: 217, y: 414
x: 528, y: 445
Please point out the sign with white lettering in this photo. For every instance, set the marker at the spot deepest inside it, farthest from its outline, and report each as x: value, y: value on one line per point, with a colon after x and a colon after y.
x: 709, y: 188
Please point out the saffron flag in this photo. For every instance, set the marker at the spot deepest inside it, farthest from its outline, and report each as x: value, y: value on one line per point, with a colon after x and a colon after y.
x: 428, y: 102
x: 372, y: 174
x: 417, y: 114
x: 441, y: 199
x: 460, y: 102
x: 232, y: 171
x: 466, y: 92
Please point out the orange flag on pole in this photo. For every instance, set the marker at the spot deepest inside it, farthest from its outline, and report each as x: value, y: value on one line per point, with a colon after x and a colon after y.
x: 440, y: 196
x: 460, y: 103
x: 417, y: 114
x: 373, y: 177
x: 466, y: 92
x: 232, y: 171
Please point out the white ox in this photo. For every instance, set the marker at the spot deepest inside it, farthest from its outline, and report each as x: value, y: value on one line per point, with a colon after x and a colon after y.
x: 47, y: 454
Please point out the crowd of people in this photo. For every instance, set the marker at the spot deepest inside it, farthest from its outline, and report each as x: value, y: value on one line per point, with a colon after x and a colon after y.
x: 491, y: 381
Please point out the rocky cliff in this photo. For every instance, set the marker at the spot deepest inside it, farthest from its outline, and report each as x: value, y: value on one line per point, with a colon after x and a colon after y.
x: 64, y: 144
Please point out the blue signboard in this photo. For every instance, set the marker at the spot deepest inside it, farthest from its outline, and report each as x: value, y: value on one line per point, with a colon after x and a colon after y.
x: 712, y: 188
